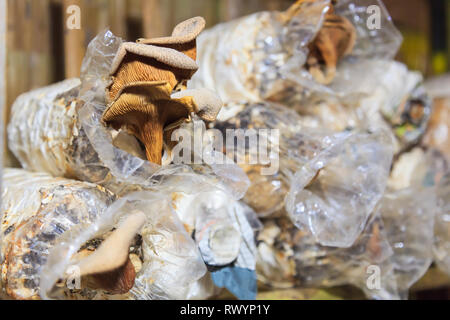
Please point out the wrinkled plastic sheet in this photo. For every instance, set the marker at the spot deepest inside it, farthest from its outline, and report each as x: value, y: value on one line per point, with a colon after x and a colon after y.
x: 334, y: 192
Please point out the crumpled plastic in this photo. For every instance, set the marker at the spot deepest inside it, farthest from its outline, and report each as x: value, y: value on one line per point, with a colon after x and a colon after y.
x: 334, y: 192
x: 66, y: 138
x: 372, y: 43
x: 408, y: 215
x: 438, y: 135
x: 172, y: 263
x: 422, y: 174
x: 241, y: 58
x: 331, y: 181
x: 57, y: 216
x: 390, y: 255
x: 196, y: 222
x: 37, y: 210
x: 261, y: 57
x: 385, y: 100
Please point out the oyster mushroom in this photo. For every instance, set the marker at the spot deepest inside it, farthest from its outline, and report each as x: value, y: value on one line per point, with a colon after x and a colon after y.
x: 109, y: 267
x: 183, y: 39
x: 144, y: 77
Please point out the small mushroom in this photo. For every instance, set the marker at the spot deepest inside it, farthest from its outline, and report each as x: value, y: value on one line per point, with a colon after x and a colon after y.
x: 334, y: 40
x: 109, y: 267
x: 144, y: 77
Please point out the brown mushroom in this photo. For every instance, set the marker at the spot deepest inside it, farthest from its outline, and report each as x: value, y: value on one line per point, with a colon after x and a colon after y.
x: 144, y: 77
x: 334, y: 40
x: 109, y: 267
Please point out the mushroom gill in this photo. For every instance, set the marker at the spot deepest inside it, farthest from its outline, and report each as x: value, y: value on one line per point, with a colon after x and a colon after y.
x: 146, y: 109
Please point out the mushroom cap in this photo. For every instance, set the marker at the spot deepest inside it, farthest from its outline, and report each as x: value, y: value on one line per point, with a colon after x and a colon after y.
x: 184, y: 32
x: 167, y: 56
x: 206, y: 103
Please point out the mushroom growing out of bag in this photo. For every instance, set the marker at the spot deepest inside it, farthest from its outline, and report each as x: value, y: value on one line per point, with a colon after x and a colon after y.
x: 110, y: 267
x: 145, y: 94
x: 334, y: 40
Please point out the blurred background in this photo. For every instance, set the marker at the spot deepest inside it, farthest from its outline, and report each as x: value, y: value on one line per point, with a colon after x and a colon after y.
x: 41, y: 50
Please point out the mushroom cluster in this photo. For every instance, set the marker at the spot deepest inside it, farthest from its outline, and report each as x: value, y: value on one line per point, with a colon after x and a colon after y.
x: 147, y: 95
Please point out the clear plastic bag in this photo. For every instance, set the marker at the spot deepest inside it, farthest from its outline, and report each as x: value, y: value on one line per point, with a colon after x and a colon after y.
x: 408, y: 216
x: 334, y: 179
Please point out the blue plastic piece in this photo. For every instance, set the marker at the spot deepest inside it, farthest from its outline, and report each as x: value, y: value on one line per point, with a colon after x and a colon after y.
x: 239, y: 281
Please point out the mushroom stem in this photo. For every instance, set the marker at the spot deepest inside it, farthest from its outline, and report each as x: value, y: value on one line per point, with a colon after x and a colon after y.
x: 151, y: 135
